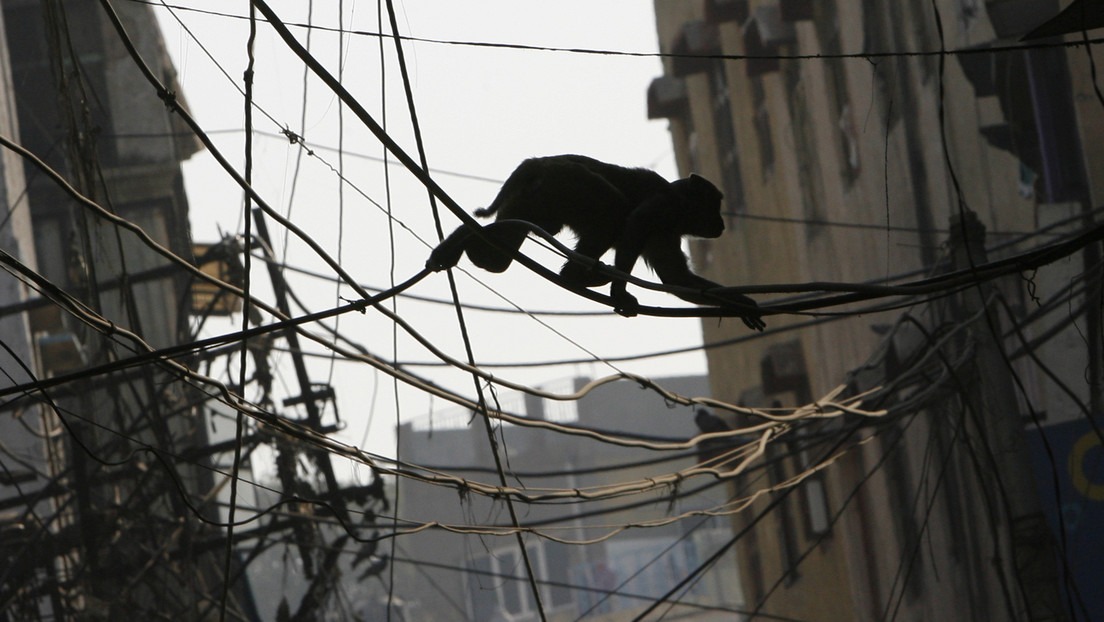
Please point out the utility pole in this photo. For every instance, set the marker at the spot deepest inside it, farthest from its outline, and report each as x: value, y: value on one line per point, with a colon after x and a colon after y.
x: 308, y: 396
x: 992, y: 397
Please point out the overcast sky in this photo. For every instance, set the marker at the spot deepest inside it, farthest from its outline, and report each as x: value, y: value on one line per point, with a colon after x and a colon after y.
x: 482, y: 110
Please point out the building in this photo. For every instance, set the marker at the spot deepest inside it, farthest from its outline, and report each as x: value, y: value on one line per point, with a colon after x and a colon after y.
x: 450, y: 575
x: 20, y: 423
x: 107, y: 482
x: 844, y: 160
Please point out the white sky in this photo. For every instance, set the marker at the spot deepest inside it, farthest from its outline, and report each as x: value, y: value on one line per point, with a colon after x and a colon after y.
x: 482, y: 111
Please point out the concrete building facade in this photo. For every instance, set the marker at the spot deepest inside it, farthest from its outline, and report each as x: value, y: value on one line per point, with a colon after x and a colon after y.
x: 852, y: 150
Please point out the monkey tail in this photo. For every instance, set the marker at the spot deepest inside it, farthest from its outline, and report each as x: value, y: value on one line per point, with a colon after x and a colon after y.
x: 510, y: 196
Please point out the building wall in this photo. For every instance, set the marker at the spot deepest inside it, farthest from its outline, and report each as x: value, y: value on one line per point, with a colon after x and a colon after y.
x: 27, y: 464
x: 83, y: 107
x: 457, y: 444
x: 845, y: 179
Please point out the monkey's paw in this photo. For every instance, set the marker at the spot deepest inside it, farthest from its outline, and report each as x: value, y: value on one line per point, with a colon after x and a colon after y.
x: 448, y: 253
x: 754, y: 322
x: 624, y: 303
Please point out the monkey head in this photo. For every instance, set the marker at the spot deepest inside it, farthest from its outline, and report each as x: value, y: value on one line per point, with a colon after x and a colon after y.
x: 701, y: 203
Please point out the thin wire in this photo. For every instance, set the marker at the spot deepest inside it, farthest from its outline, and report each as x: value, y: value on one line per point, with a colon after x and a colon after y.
x: 305, y: 87
x: 341, y: 54
x: 908, y: 561
x: 391, y: 274
x: 716, y: 556
x: 239, y: 427
x: 435, y: 189
x: 300, y: 140
x: 819, y: 222
x: 994, y: 332
x: 460, y: 319
x: 171, y: 101
x: 662, y: 55
x: 416, y: 564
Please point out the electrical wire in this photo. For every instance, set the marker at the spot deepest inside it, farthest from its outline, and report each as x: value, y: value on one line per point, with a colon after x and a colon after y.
x: 622, y: 53
x: 846, y: 407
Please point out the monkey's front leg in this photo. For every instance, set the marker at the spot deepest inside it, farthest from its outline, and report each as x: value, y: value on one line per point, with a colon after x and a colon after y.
x: 727, y: 297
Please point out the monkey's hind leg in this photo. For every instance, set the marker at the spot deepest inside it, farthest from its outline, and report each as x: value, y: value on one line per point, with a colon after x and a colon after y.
x: 494, y: 250
x: 448, y: 252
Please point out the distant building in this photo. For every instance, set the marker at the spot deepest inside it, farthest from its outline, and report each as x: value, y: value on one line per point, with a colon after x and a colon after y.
x: 451, y: 576
x: 834, y: 169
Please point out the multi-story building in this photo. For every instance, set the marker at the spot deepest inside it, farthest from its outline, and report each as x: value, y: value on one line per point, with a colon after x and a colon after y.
x: 879, y: 143
x: 21, y: 423
x: 95, y: 525
x: 447, y: 574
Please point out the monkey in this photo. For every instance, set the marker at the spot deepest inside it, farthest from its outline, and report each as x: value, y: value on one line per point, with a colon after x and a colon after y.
x: 632, y: 210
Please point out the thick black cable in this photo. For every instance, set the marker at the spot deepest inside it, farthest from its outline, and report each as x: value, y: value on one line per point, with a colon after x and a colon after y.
x: 415, y: 169
x: 1000, y: 246
x: 1026, y: 261
x: 420, y: 173
x: 707, y: 346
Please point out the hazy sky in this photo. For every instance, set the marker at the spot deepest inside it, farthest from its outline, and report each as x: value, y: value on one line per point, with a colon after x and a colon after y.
x: 482, y: 110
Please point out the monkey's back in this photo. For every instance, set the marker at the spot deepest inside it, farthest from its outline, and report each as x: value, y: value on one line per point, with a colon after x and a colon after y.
x: 575, y: 191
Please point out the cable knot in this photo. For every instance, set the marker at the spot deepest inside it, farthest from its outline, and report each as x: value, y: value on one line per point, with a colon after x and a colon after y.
x: 169, y: 99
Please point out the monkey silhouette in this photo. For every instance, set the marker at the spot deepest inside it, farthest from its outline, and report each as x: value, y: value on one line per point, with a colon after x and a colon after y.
x: 632, y: 210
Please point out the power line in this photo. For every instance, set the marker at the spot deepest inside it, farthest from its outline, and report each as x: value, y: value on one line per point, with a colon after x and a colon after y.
x: 575, y: 587
x: 631, y: 54
x: 298, y: 139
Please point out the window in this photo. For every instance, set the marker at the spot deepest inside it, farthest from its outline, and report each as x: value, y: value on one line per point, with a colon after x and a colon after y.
x: 763, y: 128
x: 814, y: 495
x: 878, y: 38
x: 828, y: 35
x: 498, y: 582
x: 728, y: 153
x: 811, y: 183
x: 787, y: 535
x: 903, y: 498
